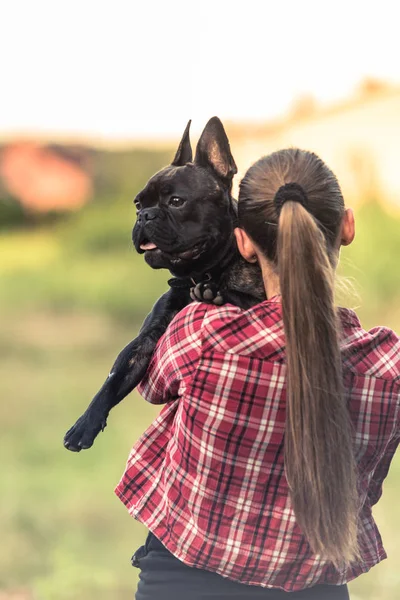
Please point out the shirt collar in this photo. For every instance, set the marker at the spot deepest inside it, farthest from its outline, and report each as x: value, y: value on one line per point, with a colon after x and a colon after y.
x: 347, y: 316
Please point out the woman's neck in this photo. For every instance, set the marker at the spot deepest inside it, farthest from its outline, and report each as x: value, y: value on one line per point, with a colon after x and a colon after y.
x: 270, y: 277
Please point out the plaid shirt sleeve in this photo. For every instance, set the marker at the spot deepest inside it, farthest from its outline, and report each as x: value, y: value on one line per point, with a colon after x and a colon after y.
x: 175, y: 357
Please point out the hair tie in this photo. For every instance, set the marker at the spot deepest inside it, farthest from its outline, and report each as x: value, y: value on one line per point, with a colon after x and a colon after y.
x: 292, y: 192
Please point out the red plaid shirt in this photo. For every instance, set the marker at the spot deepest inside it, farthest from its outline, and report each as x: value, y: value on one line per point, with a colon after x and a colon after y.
x: 207, y: 477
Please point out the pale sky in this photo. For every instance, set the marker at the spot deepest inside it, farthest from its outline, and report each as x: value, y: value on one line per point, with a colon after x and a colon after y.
x: 129, y: 69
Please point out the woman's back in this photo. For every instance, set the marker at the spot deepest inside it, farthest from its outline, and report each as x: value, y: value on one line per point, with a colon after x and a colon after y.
x: 218, y: 446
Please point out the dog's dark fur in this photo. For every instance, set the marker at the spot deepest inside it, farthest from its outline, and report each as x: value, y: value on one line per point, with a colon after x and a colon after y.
x: 186, y: 212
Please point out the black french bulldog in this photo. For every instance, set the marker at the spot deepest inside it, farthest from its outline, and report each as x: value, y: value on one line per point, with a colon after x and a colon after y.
x: 185, y: 221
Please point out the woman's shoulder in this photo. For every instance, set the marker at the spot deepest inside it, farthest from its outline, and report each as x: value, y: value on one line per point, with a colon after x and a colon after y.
x: 385, y: 349
x: 374, y: 352
x: 197, y: 315
x: 221, y: 325
x: 256, y: 331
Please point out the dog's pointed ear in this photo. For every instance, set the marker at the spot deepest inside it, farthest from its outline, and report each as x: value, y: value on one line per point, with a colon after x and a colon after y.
x: 213, y: 150
x: 184, y: 153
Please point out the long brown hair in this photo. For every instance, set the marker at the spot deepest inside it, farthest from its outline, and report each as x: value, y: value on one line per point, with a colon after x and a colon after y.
x: 300, y: 241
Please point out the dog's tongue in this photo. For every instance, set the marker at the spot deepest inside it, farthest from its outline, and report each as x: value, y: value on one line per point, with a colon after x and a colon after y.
x: 148, y: 246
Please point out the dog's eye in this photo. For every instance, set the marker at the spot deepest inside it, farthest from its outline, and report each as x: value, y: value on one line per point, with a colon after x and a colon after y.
x: 176, y: 202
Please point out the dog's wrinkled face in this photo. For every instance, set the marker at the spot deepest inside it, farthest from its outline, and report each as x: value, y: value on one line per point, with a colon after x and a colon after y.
x: 184, y: 214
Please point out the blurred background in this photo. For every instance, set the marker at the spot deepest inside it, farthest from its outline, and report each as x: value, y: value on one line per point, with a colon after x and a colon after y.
x: 94, y: 98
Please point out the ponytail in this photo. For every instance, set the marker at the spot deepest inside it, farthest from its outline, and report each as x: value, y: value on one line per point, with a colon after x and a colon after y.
x: 291, y: 206
x: 319, y: 462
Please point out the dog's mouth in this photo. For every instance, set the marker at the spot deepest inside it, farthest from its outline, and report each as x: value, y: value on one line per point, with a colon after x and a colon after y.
x: 191, y: 254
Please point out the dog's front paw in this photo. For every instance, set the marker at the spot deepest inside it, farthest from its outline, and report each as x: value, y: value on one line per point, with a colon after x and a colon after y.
x: 206, y: 291
x: 82, y: 435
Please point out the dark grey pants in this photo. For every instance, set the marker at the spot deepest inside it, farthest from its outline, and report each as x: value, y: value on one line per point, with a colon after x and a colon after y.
x: 164, y: 577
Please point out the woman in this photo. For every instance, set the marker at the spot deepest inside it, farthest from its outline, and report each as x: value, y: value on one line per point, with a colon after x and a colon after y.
x: 281, y: 421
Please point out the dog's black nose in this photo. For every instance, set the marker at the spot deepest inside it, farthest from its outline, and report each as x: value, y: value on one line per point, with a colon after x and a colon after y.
x: 148, y: 214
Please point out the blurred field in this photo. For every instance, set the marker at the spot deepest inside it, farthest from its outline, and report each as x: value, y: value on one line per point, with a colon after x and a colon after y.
x: 72, y: 293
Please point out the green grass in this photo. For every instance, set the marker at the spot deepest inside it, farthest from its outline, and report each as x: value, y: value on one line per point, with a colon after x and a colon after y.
x: 64, y: 534
x: 71, y: 295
